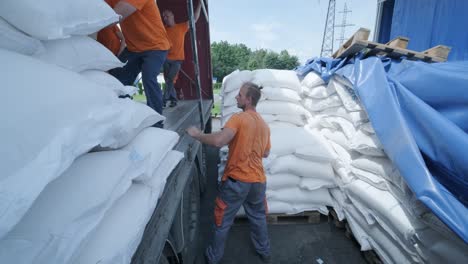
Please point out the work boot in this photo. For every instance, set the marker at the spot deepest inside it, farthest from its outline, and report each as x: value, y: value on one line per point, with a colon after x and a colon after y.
x: 264, y: 258
x: 173, y: 104
x: 164, y: 105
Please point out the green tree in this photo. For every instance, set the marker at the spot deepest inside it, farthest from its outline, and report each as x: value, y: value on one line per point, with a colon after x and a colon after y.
x: 227, y: 58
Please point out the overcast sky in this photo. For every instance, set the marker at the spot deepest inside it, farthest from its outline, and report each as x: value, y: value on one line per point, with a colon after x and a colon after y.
x: 294, y: 25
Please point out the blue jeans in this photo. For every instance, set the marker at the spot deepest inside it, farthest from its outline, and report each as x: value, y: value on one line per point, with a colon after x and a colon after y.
x: 171, y: 68
x: 149, y: 63
x: 232, y: 195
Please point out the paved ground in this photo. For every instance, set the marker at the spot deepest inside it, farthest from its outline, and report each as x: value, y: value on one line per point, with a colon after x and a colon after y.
x: 291, y: 243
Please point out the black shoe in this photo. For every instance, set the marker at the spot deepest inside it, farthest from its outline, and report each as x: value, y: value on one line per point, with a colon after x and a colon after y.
x: 173, y: 104
x: 164, y: 105
x: 264, y: 258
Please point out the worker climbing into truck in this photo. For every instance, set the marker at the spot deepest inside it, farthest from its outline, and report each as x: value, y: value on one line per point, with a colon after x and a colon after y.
x: 175, y: 57
x: 147, y: 46
x: 244, y: 181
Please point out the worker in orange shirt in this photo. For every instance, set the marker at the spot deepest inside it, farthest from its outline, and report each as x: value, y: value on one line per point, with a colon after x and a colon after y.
x: 175, y: 57
x: 244, y: 181
x: 112, y: 38
x: 146, y: 49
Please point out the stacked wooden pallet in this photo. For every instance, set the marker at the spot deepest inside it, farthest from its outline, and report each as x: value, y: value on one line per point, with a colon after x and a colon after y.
x: 396, y: 48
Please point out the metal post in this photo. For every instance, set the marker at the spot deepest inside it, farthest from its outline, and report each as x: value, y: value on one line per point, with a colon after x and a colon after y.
x: 193, y: 36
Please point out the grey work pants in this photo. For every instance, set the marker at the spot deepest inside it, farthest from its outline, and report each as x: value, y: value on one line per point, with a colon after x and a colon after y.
x: 232, y: 195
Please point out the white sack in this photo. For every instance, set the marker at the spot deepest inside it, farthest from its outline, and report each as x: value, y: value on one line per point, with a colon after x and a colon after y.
x: 43, y: 134
x: 373, y: 179
x: 379, y: 166
x: 346, y: 93
x: 279, y: 207
x: 14, y: 40
x: 298, y: 120
x: 55, y: 19
x: 315, y: 105
x: 355, y: 117
x: 162, y: 172
x: 235, y: 80
x: 339, y: 123
x: 367, y: 145
x: 386, y: 211
x: 152, y: 144
x: 336, y: 136
x: 69, y: 208
x: 279, y: 125
x: 79, y: 53
x: 320, y: 197
x: 117, y: 237
x: 319, y: 92
x: 312, y: 79
x: 279, y: 94
x: 374, y: 236
x: 105, y: 79
x: 367, y: 128
x: 311, y: 184
x: 277, y: 78
x: 281, y: 108
x: 285, y: 141
x: 282, y: 180
x: 339, y: 200
x: 302, y: 167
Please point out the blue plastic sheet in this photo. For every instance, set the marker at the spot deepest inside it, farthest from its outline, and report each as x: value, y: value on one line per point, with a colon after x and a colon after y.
x: 420, y: 114
x: 429, y: 23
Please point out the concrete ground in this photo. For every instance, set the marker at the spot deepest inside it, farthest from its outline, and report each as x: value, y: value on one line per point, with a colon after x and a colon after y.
x: 294, y: 242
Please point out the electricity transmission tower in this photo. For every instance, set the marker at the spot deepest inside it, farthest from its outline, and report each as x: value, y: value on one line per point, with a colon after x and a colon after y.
x: 328, y: 33
x: 343, y: 24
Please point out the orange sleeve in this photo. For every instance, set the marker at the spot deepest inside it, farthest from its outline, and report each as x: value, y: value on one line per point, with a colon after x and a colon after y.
x: 268, y: 146
x: 138, y: 4
x: 233, y: 123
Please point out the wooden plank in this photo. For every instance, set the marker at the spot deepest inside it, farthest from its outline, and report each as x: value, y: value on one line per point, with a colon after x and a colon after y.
x: 361, y: 34
x: 398, y: 42
x: 439, y: 51
x: 310, y: 217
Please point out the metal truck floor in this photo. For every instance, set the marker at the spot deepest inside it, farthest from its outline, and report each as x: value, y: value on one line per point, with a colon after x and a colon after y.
x: 290, y: 243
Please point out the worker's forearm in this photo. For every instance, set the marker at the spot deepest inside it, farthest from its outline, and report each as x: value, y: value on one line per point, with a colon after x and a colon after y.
x: 209, y: 139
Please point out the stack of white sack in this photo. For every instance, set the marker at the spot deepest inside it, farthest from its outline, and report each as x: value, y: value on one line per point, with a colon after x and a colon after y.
x: 299, y: 170
x: 62, y: 104
x: 372, y: 195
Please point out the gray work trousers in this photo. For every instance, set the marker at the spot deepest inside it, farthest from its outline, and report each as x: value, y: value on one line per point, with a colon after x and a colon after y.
x: 233, y: 194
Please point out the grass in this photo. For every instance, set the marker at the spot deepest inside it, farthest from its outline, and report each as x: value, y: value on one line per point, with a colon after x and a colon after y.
x: 139, y: 97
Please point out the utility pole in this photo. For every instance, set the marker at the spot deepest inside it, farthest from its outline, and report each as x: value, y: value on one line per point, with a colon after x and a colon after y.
x: 343, y: 24
x: 328, y: 33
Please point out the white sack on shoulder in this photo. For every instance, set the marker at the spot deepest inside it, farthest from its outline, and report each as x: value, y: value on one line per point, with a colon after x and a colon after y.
x: 14, y: 40
x: 57, y: 19
x: 79, y: 53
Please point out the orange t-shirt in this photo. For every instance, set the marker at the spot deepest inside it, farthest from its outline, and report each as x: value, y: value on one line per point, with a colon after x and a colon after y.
x: 108, y: 37
x: 176, y: 36
x: 246, y: 149
x: 143, y: 30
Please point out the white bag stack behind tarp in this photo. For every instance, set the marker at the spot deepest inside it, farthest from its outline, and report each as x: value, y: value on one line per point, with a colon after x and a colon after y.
x: 299, y: 170
x: 371, y: 193
x: 62, y: 104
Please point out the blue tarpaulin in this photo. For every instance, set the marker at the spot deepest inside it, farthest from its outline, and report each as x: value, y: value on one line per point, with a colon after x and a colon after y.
x: 419, y: 112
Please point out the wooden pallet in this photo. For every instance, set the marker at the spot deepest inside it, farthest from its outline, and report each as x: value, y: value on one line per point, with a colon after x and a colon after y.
x: 395, y: 48
x: 310, y: 217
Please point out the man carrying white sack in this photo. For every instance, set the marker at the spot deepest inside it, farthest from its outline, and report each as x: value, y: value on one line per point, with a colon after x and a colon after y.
x: 147, y: 47
x: 244, y: 180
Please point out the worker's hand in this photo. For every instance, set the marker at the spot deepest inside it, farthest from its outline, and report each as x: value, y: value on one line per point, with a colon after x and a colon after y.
x: 193, y: 131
